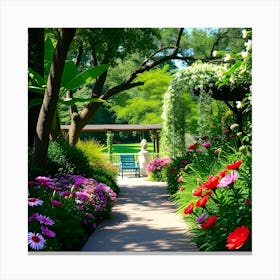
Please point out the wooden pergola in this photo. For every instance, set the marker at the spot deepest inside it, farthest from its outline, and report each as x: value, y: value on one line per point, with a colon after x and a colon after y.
x: 123, y: 127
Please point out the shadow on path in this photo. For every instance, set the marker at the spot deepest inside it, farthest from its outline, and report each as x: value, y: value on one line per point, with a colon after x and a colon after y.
x: 144, y: 220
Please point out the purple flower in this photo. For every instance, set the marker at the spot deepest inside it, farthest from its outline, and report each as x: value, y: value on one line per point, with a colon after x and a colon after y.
x: 47, y: 232
x: 201, y: 218
x: 33, y: 217
x: 206, y: 145
x: 45, y: 181
x: 56, y: 203
x: 45, y: 220
x: 228, y: 179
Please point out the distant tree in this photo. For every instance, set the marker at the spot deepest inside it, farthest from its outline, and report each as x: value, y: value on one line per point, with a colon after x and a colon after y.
x: 144, y: 49
x: 143, y: 104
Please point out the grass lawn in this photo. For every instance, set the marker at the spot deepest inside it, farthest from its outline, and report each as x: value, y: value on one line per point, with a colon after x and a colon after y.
x: 131, y: 148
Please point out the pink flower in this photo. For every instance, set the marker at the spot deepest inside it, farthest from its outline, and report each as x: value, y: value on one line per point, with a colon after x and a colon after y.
x: 36, y: 241
x: 56, y: 203
x: 228, y: 179
x: 47, y: 232
x: 182, y: 188
x: 206, y: 145
x: 45, y: 220
x: 45, y: 181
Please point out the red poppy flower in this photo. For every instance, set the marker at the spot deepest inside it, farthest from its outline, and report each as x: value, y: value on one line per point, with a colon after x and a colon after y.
x: 193, y: 146
x: 202, y: 201
x: 234, y: 165
x: 222, y: 173
x: 197, y: 192
x: 189, y: 209
x: 212, y: 182
x: 237, y: 238
x: 209, y: 222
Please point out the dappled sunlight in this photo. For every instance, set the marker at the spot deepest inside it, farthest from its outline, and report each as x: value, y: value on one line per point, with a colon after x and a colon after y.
x: 143, y: 220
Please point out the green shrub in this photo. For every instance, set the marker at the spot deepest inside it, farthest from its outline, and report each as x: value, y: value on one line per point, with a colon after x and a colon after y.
x: 66, y: 159
x: 174, y: 171
x: 95, y: 153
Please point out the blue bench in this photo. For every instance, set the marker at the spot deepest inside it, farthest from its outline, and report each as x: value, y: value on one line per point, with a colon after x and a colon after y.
x: 128, y: 162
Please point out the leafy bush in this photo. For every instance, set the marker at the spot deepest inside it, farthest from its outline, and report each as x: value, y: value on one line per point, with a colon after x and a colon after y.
x: 67, y: 159
x: 174, y: 171
x: 95, y: 153
x: 63, y: 211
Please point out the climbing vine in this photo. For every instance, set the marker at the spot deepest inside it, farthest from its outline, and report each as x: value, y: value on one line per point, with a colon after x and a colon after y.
x: 228, y: 81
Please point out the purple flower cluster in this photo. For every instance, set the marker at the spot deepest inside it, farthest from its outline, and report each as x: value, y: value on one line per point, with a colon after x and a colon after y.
x: 157, y: 164
x: 90, y: 196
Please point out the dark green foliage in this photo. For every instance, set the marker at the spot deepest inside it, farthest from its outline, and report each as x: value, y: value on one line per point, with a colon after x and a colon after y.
x: 174, y: 171
x: 67, y: 159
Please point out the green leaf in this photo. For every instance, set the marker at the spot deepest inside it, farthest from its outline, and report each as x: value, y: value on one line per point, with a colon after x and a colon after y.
x: 73, y: 101
x: 34, y: 102
x: 48, y: 56
x: 69, y: 72
x: 86, y: 77
x: 39, y: 90
x: 36, y: 79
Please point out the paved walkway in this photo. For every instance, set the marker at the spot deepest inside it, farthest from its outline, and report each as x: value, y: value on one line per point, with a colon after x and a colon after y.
x: 142, y: 221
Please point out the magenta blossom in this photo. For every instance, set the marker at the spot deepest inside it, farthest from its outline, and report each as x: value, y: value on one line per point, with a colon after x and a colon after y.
x: 56, y: 203
x: 45, y: 220
x: 47, y: 232
x: 45, y: 181
x: 228, y: 179
x: 206, y: 145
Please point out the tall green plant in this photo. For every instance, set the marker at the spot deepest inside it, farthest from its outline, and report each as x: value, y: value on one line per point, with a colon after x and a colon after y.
x: 110, y: 137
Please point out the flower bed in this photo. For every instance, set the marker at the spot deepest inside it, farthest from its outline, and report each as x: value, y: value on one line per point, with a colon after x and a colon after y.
x: 156, y: 169
x: 217, y: 206
x: 63, y: 211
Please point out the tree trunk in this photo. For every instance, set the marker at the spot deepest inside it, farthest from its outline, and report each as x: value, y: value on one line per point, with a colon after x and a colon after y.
x: 48, y: 107
x: 35, y: 62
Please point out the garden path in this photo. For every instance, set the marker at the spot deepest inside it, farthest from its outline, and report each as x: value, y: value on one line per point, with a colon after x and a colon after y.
x: 144, y: 220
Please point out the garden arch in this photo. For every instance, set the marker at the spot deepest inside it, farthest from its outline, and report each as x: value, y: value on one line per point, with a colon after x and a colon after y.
x: 206, y: 81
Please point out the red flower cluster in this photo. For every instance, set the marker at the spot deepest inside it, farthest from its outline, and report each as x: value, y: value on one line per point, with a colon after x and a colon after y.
x: 211, y: 183
x: 193, y: 146
x: 237, y: 238
x: 189, y: 209
x: 234, y: 165
x: 202, y: 201
x: 209, y: 222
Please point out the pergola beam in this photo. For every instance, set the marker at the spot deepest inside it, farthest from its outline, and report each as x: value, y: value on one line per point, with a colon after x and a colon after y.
x: 122, y: 127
